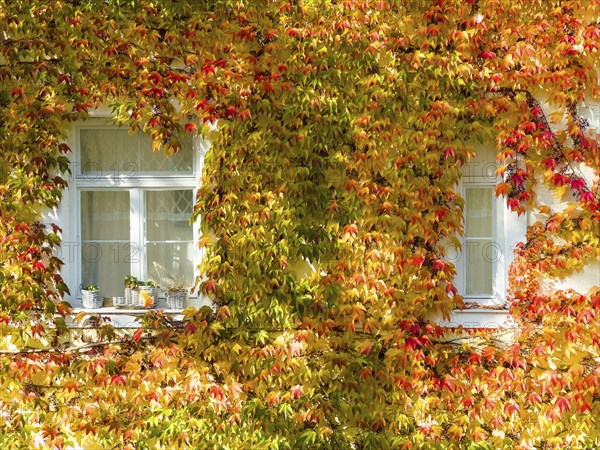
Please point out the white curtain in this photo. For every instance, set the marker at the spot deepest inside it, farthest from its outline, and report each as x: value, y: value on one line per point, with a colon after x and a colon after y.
x: 480, y: 251
x: 116, y: 152
x: 169, y: 234
x: 106, y: 252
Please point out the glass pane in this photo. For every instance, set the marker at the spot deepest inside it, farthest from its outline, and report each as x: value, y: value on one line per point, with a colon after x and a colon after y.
x: 104, y: 215
x: 105, y: 264
x: 168, y: 215
x: 482, y: 166
x: 109, y: 150
x: 480, y: 257
x: 171, y: 259
x: 182, y: 161
x: 118, y: 153
x: 479, y: 212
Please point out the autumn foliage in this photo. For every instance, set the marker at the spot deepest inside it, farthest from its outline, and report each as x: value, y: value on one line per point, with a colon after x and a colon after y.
x: 339, y: 130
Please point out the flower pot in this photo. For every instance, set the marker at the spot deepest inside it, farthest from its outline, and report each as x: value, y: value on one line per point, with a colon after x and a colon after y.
x: 128, y: 299
x: 176, y: 300
x: 134, y: 297
x: 92, y: 299
x: 148, y: 291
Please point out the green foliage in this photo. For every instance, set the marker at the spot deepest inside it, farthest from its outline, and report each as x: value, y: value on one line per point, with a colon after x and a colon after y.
x: 339, y: 130
x: 131, y: 282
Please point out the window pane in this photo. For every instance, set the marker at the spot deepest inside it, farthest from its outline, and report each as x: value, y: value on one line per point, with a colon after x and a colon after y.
x: 109, y: 150
x: 104, y: 215
x: 105, y: 264
x: 118, y: 153
x: 168, y: 215
x: 158, y: 162
x: 172, y: 259
x: 479, y: 212
x: 480, y: 256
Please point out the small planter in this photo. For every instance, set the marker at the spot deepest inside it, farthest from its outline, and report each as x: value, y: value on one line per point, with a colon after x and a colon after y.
x: 145, y: 294
x: 135, y: 297
x: 131, y: 297
x: 91, y: 297
x: 175, y: 287
x: 176, y: 300
x: 131, y: 293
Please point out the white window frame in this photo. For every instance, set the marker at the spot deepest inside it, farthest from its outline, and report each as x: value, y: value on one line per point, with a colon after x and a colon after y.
x: 508, y: 229
x: 68, y: 215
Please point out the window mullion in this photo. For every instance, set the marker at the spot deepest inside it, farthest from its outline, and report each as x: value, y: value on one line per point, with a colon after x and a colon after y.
x: 137, y: 233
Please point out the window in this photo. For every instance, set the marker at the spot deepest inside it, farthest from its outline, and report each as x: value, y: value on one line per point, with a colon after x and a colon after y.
x: 128, y: 210
x: 480, y: 249
x: 491, y: 233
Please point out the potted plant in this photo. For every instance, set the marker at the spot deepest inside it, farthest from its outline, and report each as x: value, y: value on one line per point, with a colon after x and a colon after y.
x: 176, y: 291
x: 174, y: 286
x: 91, y: 297
x: 147, y: 294
x: 131, y: 293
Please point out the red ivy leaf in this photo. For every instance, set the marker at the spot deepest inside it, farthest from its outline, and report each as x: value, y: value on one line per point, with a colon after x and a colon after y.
x: 137, y: 335
x: 487, y: 55
x: 296, y: 392
x: 118, y: 379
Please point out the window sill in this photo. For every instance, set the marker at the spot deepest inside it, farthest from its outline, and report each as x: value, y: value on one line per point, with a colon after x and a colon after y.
x: 120, y: 317
x: 485, y: 317
x: 472, y: 305
x: 123, y: 311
